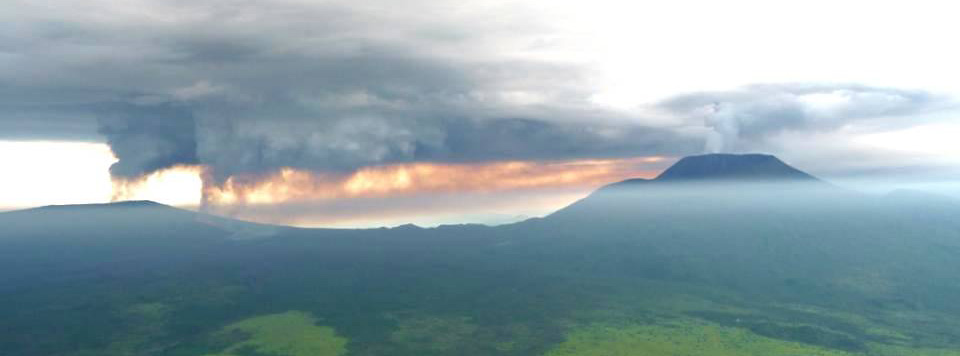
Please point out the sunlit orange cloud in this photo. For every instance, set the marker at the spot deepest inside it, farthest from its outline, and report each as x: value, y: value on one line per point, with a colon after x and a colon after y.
x: 423, y: 193
x: 291, y: 185
x: 492, y: 208
x: 179, y: 186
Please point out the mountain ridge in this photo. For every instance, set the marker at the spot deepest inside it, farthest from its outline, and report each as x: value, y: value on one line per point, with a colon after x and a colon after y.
x: 727, y: 166
x: 763, y: 171
x: 802, y: 266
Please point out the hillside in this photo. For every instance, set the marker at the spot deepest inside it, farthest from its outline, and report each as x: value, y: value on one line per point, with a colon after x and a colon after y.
x: 719, y: 255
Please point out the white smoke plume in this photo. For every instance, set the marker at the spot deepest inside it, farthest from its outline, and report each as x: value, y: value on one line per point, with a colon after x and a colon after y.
x: 740, y: 120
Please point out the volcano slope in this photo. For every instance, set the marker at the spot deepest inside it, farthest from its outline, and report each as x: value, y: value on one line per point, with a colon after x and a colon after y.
x: 719, y: 255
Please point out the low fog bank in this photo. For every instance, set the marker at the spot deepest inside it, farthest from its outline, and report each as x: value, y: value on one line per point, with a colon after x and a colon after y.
x: 637, y: 196
x: 641, y: 197
x: 886, y: 185
x: 126, y: 222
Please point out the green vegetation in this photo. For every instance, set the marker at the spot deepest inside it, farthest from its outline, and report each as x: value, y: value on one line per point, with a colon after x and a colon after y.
x: 714, y: 281
x: 887, y: 350
x: 683, y: 337
x: 433, y: 334
x: 288, y: 334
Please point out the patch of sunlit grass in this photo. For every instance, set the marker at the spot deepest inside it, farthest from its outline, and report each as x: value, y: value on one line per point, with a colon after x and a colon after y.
x: 686, y: 337
x: 293, y: 333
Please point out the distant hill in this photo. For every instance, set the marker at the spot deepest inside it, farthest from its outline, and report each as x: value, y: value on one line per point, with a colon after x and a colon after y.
x: 719, y: 255
x: 698, y: 184
x: 134, y: 218
x: 743, y: 167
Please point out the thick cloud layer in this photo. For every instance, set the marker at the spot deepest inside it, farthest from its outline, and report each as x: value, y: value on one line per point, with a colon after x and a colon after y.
x: 743, y: 119
x: 232, y: 147
x: 247, y: 88
x: 149, y: 138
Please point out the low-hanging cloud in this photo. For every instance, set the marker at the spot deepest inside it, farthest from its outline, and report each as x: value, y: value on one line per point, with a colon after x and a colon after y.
x: 742, y: 119
x: 326, y: 87
x: 148, y: 138
x: 248, y: 88
x: 250, y: 147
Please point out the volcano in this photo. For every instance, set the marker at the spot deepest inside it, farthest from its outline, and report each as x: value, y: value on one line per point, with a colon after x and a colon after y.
x: 720, y: 254
x: 740, y: 167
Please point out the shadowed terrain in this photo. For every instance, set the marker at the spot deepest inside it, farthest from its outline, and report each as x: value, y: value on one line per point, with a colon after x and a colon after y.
x: 719, y: 255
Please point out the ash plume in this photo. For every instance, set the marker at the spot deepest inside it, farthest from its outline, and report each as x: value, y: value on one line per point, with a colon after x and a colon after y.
x: 148, y: 138
x: 743, y: 119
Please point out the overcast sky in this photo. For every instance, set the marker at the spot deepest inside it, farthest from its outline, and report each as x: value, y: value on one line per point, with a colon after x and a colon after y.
x: 201, y: 101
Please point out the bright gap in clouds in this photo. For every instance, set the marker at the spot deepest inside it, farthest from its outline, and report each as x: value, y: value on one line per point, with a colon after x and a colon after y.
x: 938, y: 140
x: 426, y: 194
x: 51, y: 173
x: 37, y: 173
x: 42, y: 173
x: 645, y: 51
x: 178, y: 186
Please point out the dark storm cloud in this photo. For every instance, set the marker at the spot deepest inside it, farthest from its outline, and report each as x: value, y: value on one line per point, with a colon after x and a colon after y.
x: 32, y: 124
x: 260, y: 147
x: 248, y: 87
x: 742, y: 119
x: 146, y: 138
x: 538, y: 140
